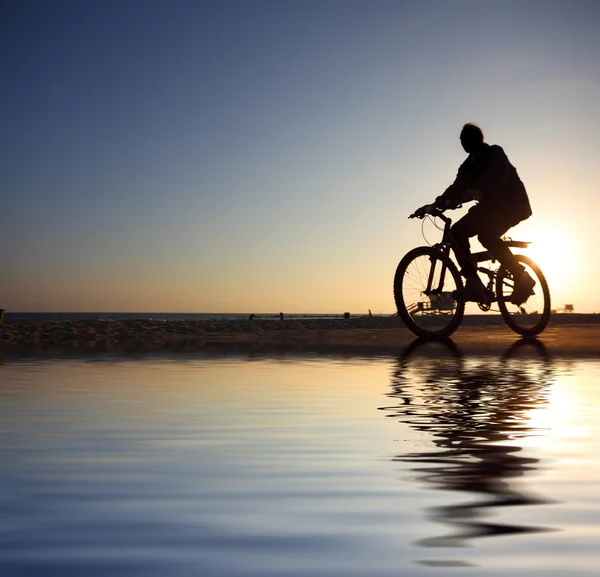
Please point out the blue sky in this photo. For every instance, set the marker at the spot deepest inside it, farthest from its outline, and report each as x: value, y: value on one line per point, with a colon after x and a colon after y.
x: 263, y: 156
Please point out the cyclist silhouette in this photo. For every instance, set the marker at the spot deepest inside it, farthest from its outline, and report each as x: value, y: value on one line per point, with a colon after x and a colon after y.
x: 488, y: 177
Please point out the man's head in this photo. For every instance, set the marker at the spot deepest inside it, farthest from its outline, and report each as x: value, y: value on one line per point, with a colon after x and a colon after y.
x: 471, y: 137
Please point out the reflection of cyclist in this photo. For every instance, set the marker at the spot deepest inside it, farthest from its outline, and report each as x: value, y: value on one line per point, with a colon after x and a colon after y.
x: 487, y: 176
x: 477, y: 414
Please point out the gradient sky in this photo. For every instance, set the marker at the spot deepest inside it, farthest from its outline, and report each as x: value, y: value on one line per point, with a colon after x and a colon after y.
x: 258, y: 156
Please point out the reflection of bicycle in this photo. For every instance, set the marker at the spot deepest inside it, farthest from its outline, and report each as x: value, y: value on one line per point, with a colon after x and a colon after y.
x: 479, y: 411
x: 430, y: 296
x: 438, y: 362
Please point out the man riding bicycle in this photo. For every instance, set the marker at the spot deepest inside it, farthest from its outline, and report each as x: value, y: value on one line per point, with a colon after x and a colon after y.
x: 488, y: 177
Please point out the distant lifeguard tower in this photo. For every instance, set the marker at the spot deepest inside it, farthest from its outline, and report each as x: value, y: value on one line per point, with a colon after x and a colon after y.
x: 565, y: 309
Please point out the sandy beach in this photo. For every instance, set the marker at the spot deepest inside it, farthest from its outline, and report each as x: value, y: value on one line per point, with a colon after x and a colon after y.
x: 576, y: 334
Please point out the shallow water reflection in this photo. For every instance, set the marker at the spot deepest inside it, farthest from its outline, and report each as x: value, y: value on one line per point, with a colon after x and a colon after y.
x: 299, y: 465
x: 476, y: 411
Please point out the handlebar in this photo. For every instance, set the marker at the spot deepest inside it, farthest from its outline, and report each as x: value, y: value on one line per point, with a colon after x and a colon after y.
x: 433, y: 211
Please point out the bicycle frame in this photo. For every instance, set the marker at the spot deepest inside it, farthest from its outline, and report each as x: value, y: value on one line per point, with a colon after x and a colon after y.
x: 445, y: 245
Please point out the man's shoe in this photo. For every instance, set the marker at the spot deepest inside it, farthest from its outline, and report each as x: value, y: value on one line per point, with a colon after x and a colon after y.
x: 523, y: 289
x: 476, y: 292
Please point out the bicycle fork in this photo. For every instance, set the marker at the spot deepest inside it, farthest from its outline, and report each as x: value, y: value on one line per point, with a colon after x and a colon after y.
x: 437, y: 291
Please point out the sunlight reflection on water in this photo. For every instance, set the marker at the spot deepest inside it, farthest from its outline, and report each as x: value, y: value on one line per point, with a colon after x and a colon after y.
x: 298, y: 465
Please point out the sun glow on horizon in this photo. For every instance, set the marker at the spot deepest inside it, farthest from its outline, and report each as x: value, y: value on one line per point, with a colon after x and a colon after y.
x: 552, y: 248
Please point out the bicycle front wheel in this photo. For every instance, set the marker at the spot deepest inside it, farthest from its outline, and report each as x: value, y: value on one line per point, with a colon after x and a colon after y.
x: 530, y: 318
x: 435, y: 313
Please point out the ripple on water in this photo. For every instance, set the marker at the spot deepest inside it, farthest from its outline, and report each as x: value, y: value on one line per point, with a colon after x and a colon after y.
x: 432, y: 461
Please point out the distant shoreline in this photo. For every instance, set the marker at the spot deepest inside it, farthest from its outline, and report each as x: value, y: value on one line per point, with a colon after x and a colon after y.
x: 52, y: 317
x: 11, y: 316
x: 567, y: 333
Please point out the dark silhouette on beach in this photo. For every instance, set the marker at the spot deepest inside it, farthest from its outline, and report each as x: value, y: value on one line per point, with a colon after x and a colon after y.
x: 488, y: 177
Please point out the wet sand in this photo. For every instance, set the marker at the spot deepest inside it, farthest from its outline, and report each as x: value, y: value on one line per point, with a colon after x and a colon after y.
x: 570, y: 335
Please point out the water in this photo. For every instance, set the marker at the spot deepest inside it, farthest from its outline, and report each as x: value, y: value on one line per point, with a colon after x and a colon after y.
x: 429, y: 463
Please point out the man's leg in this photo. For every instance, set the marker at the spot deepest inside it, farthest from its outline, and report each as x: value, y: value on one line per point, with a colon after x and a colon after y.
x: 462, y: 230
x: 490, y: 239
x: 468, y: 226
x: 492, y: 242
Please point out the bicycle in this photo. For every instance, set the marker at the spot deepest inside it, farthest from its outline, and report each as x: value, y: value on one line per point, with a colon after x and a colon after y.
x: 430, y: 296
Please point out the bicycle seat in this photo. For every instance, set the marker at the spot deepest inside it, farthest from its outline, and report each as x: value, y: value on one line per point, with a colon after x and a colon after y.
x: 517, y: 243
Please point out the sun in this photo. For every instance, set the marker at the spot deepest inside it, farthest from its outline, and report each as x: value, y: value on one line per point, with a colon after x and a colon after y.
x: 553, y: 250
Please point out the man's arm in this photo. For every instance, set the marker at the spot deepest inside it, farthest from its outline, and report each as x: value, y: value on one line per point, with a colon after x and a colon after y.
x: 455, y: 193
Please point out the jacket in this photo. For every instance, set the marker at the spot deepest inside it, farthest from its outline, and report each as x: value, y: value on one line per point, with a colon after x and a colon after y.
x: 489, y: 176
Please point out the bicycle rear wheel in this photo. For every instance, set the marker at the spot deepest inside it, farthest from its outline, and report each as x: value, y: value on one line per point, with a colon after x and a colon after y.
x: 435, y: 315
x: 530, y: 318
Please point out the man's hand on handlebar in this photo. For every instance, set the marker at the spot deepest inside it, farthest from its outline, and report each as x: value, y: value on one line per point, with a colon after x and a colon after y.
x: 436, y: 209
x: 423, y: 211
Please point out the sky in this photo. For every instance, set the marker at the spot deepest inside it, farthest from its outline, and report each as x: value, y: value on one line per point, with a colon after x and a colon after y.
x: 263, y: 156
